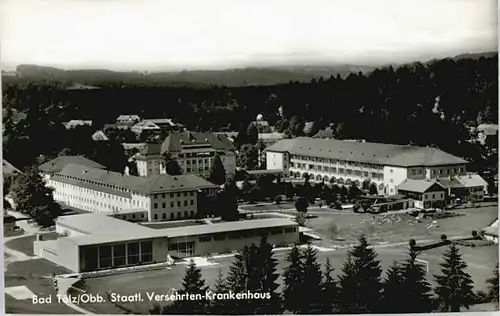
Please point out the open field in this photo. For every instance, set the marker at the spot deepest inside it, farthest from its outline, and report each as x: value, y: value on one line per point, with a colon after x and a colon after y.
x: 344, y: 228
x: 32, y: 274
x: 481, y: 262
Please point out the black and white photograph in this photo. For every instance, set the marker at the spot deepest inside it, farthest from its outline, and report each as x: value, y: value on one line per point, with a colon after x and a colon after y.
x: 237, y: 157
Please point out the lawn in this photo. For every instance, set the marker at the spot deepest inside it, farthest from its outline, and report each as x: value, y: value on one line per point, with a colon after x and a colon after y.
x: 25, y: 244
x: 344, y: 228
x: 32, y: 274
x: 12, y: 233
x: 22, y: 244
x: 268, y: 207
x: 481, y: 261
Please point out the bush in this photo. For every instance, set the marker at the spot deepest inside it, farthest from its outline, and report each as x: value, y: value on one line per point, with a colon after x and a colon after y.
x: 412, y: 243
x: 444, y: 237
x: 474, y: 234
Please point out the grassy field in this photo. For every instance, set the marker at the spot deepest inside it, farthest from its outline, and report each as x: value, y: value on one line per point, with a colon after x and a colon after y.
x: 345, y: 228
x: 481, y: 262
x: 22, y: 244
x: 32, y: 274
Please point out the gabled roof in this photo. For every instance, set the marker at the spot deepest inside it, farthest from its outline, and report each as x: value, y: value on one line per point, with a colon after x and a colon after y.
x: 472, y: 180
x: 146, y: 124
x: 8, y: 169
x: 118, y: 183
x: 325, y: 133
x: 128, y: 118
x: 377, y: 153
x: 58, y: 164
x: 174, y: 142
x: 75, y: 123
x: 420, y: 186
x: 163, y: 121
x: 99, y: 135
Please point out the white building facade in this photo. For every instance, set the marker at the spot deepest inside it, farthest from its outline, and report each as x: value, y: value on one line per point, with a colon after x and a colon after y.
x: 162, y: 198
x: 347, y: 162
x: 194, y: 152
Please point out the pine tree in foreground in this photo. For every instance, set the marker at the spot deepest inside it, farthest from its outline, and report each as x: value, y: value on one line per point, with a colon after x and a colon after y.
x: 455, y: 285
x: 218, y: 306
x: 329, y: 290
x: 292, y: 294
x: 266, y: 265
x: 417, y: 290
x: 493, y: 288
x: 192, y: 283
x: 393, y: 285
x: 360, y: 281
x: 237, y: 282
x: 310, y: 302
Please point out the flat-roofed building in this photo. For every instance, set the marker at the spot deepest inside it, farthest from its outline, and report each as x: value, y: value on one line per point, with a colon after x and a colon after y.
x: 96, y: 242
x: 162, y: 197
x: 351, y: 162
x: 193, y: 151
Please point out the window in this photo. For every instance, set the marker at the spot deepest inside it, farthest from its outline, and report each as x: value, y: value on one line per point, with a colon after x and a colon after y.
x: 191, y: 202
x: 171, y: 215
x: 192, y: 213
x: 155, y: 205
x: 191, y: 193
x: 178, y: 203
x: 133, y: 216
x: 133, y: 253
x: 163, y: 195
x: 90, y: 258
x: 178, y: 194
x: 188, y: 169
x: 219, y: 237
x: 171, y: 195
x: 142, y: 215
x: 155, y: 196
x: 105, y: 256
x: 205, y: 238
x: 289, y: 230
x: 156, y: 216
x: 119, y: 255
x: 164, y: 216
x: 441, y: 195
x: 276, y: 231
x: 146, y: 251
x: 163, y: 205
x: 186, y: 214
x: 179, y: 215
x: 234, y: 235
x: 185, y: 202
x: 433, y: 196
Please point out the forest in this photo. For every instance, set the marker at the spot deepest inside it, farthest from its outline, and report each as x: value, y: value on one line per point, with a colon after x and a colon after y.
x: 426, y: 104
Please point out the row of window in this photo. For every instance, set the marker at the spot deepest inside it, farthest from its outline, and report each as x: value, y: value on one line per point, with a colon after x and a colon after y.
x: 92, y: 203
x: 177, y: 194
x: 247, y: 234
x: 118, y: 255
x: 164, y: 205
x: 72, y: 228
x: 340, y: 171
x: 335, y: 161
x: 96, y: 183
x: 187, y: 214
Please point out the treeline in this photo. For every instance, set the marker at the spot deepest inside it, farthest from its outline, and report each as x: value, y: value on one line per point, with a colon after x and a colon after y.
x: 310, y: 288
x: 423, y: 104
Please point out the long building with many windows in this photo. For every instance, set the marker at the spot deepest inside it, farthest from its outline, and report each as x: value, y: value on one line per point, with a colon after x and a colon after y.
x: 193, y: 151
x: 351, y: 162
x: 162, y: 197
x: 91, y: 242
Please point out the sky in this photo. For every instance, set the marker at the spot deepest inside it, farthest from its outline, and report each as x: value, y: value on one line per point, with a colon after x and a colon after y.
x: 216, y: 34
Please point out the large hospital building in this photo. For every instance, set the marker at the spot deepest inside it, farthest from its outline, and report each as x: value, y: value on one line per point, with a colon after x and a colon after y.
x: 157, y: 198
x: 351, y: 162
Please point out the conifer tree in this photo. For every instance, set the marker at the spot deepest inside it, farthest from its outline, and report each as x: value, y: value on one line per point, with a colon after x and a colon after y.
x: 266, y: 265
x: 237, y: 282
x: 454, y: 285
x: 293, y: 275
x: 360, y: 284
x: 329, y: 290
x: 218, y: 307
x: 217, y: 171
x: 417, y: 297
x: 391, y: 300
x: 192, y: 283
x: 493, y: 287
x: 311, y: 283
